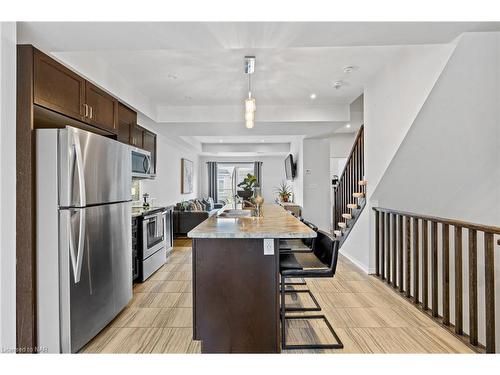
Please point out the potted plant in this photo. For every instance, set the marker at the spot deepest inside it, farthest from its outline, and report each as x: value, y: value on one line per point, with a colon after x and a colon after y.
x: 284, y: 191
x: 247, y: 186
x: 184, y: 205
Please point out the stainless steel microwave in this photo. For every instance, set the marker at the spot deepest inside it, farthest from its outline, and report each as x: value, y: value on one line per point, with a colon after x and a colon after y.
x: 141, y: 163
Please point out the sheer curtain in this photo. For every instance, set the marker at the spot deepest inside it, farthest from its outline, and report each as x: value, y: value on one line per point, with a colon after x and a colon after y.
x: 212, y: 180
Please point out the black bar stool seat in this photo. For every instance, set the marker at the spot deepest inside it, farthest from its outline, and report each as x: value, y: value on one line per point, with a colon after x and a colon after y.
x: 299, y: 261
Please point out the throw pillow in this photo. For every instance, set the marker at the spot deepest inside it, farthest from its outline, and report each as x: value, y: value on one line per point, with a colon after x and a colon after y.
x: 210, y: 202
x: 200, y: 205
x: 206, y: 206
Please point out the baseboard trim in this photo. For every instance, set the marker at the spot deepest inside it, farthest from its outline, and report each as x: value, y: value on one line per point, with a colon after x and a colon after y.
x: 357, y: 263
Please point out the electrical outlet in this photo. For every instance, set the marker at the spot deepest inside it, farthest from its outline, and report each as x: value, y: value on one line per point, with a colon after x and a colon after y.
x: 268, y: 246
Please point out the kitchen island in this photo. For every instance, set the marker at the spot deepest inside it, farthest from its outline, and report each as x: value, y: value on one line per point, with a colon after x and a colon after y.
x: 236, y: 279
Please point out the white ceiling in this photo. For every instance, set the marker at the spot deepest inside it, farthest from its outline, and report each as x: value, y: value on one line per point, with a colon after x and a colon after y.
x: 91, y: 36
x: 249, y: 139
x: 190, y: 64
x: 216, y: 77
x: 196, y: 68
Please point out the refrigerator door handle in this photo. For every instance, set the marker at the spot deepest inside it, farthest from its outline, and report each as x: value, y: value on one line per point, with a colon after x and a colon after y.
x: 77, y: 259
x: 81, y: 173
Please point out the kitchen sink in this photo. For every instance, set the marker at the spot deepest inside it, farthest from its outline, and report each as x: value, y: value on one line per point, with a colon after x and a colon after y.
x: 237, y: 213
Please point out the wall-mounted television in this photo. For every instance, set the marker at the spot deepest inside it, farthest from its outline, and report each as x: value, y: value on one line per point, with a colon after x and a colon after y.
x: 289, y: 167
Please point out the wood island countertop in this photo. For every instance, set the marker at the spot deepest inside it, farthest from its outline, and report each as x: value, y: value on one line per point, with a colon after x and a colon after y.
x: 275, y: 222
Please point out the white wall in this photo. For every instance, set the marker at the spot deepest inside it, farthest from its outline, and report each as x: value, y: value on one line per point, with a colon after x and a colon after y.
x: 392, y: 99
x: 449, y: 162
x: 7, y: 185
x: 317, y: 182
x: 166, y: 187
x: 273, y: 172
x: 297, y: 150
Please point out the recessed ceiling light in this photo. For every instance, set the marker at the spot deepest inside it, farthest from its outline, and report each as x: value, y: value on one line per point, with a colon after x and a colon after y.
x: 349, y: 69
x: 221, y: 140
x: 262, y: 140
x: 338, y: 84
x: 347, y: 125
x: 312, y: 96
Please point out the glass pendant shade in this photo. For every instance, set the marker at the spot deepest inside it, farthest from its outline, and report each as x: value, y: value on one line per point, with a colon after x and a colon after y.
x: 250, y: 105
x: 249, y: 116
x: 249, y: 124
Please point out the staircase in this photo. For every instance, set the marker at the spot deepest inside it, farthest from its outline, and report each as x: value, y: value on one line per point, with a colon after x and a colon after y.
x: 349, y: 193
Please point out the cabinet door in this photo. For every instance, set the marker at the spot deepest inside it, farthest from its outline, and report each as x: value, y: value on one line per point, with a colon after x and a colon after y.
x: 58, y: 88
x: 102, y: 108
x: 149, y: 144
x: 127, y: 119
x: 136, y: 136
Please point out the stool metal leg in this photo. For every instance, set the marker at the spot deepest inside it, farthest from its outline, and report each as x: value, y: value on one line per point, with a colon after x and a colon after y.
x: 337, y: 345
x: 282, y: 315
x: 316, y: 307
x: 296, y: 283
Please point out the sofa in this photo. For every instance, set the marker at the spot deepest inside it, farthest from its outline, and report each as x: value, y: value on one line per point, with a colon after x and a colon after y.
x: 189, y: 214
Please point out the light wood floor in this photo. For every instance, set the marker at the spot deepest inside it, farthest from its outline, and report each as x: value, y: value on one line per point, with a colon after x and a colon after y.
x: 365, y: 313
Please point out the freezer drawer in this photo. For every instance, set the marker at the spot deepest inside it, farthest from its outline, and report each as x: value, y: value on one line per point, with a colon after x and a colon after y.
x: 98, y: 271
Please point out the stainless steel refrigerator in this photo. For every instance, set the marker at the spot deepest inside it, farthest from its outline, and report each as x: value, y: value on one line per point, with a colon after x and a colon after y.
x: 84, y: 239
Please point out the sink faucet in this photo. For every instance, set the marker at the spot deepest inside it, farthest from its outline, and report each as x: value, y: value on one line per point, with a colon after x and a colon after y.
x: 249, y: 203
x: 237, y: 199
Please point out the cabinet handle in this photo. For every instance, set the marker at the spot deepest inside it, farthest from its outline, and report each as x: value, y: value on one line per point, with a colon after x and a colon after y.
x: 86, y: 110
x: 91, y: 112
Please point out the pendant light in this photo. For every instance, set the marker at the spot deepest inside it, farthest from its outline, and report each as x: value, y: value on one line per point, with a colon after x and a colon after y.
x: 250, y: 106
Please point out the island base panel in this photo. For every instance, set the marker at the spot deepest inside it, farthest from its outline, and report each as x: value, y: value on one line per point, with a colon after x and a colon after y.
x: 236, y: 297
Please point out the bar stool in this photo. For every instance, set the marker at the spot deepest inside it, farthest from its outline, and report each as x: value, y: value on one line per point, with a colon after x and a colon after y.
x: 321, y: 262
x: 299, y: 245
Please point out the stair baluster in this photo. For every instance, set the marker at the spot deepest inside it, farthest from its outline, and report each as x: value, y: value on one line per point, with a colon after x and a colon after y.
x: 400, y: 242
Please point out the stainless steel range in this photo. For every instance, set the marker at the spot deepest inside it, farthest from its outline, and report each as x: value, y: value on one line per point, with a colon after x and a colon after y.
x: 154, y: 240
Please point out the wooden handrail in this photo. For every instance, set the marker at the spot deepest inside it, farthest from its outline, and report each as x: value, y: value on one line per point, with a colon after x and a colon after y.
x: 404, y: 252
x: 456, y: 223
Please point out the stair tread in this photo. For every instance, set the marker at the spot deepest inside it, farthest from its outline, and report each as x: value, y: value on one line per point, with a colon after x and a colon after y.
x: 362, y: 182
x: 352, y: 206
x: 342, y: 225
x: 358, y: 195
x: 347, y: 216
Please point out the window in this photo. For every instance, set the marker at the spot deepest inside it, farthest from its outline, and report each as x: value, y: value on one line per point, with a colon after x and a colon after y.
x: 229, y: 175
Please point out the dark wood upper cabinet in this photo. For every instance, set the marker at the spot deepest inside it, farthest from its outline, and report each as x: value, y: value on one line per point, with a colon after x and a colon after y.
x: 102, y: 107
x: 127, y: 119
x: 136, y: 134
x: 149, y: 144
x: 62, y: 93
x: 58, y: 88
